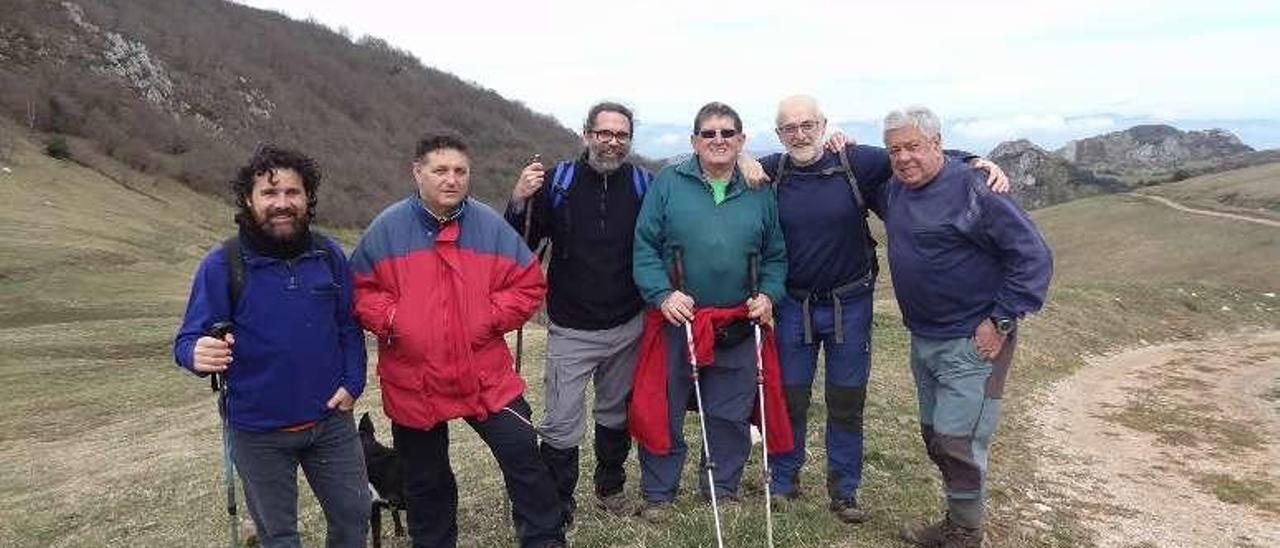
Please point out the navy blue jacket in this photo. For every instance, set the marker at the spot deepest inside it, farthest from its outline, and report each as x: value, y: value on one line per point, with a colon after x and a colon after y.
x: 960, y: 253
x: 827, y: 242
x: 296, y: 340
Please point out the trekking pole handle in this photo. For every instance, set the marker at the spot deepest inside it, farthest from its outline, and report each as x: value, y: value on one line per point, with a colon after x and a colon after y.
x: 218, y: 331
x: 753, y: 270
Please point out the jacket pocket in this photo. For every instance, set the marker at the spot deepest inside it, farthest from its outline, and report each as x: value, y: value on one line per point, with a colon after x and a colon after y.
x: 937, y: 245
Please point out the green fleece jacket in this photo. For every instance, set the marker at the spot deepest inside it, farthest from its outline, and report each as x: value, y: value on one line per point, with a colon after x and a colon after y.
x: 716, y: 240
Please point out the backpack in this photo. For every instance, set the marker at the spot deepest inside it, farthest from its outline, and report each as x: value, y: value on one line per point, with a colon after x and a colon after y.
x: 235, y: 266
x: 562, y: 179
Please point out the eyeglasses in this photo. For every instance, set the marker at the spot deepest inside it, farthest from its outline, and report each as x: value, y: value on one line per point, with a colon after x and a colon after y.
x: 605, y: 135
x: 807, y: 126
x: 724, y: 133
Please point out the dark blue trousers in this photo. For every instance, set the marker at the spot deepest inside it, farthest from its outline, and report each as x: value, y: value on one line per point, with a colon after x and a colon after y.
x: 848, y: 366
x: 728, y: 394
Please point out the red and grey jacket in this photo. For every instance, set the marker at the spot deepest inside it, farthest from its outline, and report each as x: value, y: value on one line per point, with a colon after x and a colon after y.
x: 439, y: 295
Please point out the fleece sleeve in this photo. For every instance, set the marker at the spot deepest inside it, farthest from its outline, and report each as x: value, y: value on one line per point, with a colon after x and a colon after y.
x: 647, y: 264
x: 208, y: 303
x: 350, y: 338
x: 1024, y: 255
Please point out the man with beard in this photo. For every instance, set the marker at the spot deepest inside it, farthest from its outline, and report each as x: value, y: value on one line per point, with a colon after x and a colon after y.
x: 823, y: 201
x: 295, y: 361
x: 440, y: 277
x: 589, y: 214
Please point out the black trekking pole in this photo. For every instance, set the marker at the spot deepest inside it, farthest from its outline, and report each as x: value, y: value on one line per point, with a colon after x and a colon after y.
x: 709, y: 465
x: 753, y: 266
x: 218, y: 382
x: 524, y: 234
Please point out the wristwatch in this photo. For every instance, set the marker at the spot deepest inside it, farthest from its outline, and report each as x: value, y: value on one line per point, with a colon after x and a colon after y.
x: 1003, y: 326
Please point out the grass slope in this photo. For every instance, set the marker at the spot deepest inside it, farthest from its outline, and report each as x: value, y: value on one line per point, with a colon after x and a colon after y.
x: 107, y: 444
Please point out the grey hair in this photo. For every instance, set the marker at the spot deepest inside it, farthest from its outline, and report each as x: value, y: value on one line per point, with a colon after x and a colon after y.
x: 917, y: 117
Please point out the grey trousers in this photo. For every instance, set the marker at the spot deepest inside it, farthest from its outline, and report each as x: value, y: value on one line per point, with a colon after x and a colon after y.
x: 330, y: 456
x: 606, y: 357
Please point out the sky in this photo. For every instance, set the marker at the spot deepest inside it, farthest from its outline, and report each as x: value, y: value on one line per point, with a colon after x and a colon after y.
x: 992, y: 70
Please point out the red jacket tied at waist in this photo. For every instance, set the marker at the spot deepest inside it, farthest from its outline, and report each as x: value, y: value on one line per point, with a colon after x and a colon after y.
x: 647, y: 420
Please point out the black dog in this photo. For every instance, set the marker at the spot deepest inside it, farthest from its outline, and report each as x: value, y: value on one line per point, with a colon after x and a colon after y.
x: 386, y: 478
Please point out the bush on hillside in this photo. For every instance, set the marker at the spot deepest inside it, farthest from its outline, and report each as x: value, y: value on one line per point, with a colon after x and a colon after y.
x: 56, y: 147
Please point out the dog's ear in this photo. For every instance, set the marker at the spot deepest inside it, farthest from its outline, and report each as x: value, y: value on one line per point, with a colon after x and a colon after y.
x: 366, y: 425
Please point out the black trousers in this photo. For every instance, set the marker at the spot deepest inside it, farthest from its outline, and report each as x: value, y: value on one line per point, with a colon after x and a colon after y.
x: 431, y: 492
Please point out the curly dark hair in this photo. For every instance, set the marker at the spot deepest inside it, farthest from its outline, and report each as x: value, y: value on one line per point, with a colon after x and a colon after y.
x: 267, y: 159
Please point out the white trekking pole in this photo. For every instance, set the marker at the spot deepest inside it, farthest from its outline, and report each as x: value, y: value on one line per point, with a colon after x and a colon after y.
x: 708, y: 464
x: 754, y: 268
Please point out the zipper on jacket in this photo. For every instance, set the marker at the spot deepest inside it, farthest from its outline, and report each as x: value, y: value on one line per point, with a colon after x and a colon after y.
x: 604, y: 201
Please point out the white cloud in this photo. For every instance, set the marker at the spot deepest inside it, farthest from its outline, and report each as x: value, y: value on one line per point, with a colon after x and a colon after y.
x: 1017, y: 126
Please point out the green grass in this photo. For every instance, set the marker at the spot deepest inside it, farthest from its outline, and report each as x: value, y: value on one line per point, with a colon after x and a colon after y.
x: 1262, y: 494
x: 106, y: 443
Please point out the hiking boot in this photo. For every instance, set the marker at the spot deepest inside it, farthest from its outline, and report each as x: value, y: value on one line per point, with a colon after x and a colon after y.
x: 943, y: 534
x: 955, y: 536
x: 848, y: 511
x: 657, y: 513
x: 925, y: 533
x: 618, y: 504
x: 554, y: 544
x: 726, y: 501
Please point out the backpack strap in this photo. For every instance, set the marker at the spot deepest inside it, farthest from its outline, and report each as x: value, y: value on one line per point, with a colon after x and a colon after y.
x: 853, y: 181
x: 782, y: 170
x: 640, y: 180
x: 561, y: 180
x: 235, y: 269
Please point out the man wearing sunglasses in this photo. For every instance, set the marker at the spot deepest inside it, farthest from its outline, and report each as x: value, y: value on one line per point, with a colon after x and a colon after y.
x: 703, y: 222
x: 823, y: 200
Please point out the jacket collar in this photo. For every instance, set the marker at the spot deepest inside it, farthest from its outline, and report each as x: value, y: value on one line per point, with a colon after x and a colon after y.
x: 430, y: 218
x: 692, y: 169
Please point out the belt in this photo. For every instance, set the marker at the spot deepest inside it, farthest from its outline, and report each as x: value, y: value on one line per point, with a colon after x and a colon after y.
x: 863, y: 283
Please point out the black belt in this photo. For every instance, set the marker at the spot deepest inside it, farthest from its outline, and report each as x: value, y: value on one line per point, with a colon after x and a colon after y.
x: 863, y: 283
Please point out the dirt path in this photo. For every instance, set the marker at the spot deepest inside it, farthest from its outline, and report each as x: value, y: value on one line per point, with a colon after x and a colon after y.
x: 1180, y: 207
x: 1171, y: 445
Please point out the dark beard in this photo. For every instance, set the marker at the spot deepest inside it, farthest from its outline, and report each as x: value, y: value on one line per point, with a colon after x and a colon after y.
x: 262, y: 243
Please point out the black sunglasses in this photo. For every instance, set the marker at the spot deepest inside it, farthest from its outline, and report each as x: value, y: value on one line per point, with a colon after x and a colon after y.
x: 711, y: 133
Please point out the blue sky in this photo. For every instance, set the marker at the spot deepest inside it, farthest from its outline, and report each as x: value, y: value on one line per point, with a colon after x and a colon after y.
x: 993, y: 70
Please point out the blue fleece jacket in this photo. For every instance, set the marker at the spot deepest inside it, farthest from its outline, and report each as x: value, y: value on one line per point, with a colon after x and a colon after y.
x: 296, y: 340
x: 960, y: 253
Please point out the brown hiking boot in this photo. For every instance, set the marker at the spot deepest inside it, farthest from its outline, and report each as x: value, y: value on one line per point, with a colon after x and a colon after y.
x: 848, y: 511
x: 943, y: 534
x: 618, y: 504
x: 955, y: 536
x: 657, y: 513
x: 925, y: 533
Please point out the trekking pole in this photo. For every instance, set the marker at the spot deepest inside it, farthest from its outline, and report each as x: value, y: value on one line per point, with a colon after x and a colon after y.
x: 524, y: 234
x: 218, y: 382
x: 753, y: 266
x: 708, y: 464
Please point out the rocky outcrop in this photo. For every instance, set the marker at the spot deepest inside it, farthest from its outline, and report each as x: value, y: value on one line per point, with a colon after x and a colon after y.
x: 1042, y: 179
x: 1149, y: 150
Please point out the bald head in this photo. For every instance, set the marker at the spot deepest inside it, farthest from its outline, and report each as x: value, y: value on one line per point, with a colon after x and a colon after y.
x: 800, y: 128
x: 803, y: 105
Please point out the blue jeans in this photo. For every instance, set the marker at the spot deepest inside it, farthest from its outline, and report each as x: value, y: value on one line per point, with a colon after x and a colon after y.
x: 848, y: 367
x: 960, y: 398
x: 728, y: 394
x: 333, y: 462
